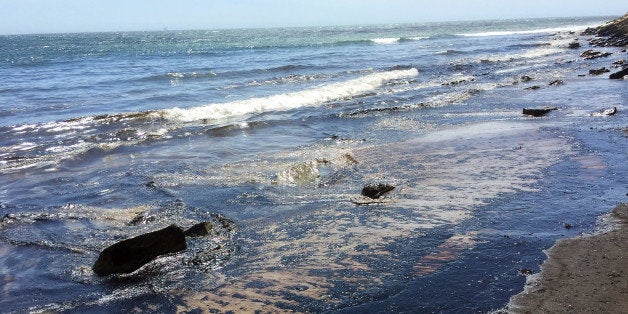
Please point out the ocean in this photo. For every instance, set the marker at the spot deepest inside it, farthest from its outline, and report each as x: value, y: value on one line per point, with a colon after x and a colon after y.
x: 272, y: 134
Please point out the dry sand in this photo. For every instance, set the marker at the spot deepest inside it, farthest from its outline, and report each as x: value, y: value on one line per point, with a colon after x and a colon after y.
x: 581, y: 275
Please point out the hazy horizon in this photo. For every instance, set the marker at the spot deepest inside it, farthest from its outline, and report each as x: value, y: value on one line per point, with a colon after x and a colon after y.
x: 76, y: 16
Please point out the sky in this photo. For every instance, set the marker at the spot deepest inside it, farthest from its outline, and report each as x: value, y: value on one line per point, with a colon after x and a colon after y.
x: 60, y: 16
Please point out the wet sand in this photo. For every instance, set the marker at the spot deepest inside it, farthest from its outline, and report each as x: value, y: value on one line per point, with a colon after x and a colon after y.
x: 584, y: 274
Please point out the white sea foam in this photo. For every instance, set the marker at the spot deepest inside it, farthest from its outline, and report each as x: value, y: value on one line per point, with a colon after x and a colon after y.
x: 309, y: 97
x: 533, y: 31
x: 385, y: 41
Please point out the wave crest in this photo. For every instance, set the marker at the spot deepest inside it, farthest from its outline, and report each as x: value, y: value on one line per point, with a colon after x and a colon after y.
x: 282, y: 102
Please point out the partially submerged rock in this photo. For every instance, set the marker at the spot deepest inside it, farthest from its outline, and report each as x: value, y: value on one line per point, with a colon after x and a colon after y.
x: 533, y: 87
x: 573, y: 45
x: 131, y: 254
x: 525, y: 78
x: 605, y: 112
x: 556, y: 82
x: 537, y: 112
x: 598, y: 71
x: 619, y: 75
x: 376, y: 191
x: 590, y: 54
x: 199, y: 230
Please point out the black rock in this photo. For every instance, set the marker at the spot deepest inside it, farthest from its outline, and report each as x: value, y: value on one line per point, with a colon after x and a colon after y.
x: 537, y: 112
x: 526, y: 78
x: 556, y: 82
x: 598, y: 71
x: 574, y: 45
x: 590, y: 54
x: 375, y: 191
x: 533, y: 87
x: 199, y: 230
x: 129, y: 255
x: 525, y: 272
x: 619, y: 75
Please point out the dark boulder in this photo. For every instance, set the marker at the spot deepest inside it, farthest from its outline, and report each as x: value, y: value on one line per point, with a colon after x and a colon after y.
x: 131, y: 254
x: 619, y: 75
x: 525, y: 78
x: 375, y: 191
x: 199, y: 230
x: 537, y: 112
x: 598, y: 71
x: 590, y: 54
x: 573, y: 45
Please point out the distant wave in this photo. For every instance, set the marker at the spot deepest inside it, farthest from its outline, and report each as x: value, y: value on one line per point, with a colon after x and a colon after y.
x: 393, y: 40
x: 532, y: 31
x: 207, y: 73
x: 309, y: 97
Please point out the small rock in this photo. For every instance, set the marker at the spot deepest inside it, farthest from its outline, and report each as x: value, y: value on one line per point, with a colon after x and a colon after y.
x: 533, y: 87
x: 199, y: 230
x: 590, y: 54
x: 610, y: 112
x: 556, y: 82
x: 567, y: 226
x: 375, y: 191
x: 129, y: 255
x: 526, y: 78
x: 605, y: 112
x: 619, y: 75
x: 598, y: 71
x: 537, y: 112
x: 525, y: 272
x: 573, y: 45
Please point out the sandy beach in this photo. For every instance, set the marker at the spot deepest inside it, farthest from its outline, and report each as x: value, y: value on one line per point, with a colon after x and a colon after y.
x: 581, y: 275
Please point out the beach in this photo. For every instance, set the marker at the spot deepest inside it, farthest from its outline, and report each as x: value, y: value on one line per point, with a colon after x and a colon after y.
x: 585, y: 274
x: 490, y: 142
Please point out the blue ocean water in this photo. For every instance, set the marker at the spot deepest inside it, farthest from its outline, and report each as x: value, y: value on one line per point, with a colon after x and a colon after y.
x: 107, y: 135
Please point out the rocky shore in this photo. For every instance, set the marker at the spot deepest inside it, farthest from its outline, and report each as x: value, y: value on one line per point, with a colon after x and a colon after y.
x: 581, y: 275
x: 613, y: 33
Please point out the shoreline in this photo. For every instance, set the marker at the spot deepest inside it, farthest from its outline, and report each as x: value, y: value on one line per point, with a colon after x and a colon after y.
x: 585, y: 273
x: 582, y: 274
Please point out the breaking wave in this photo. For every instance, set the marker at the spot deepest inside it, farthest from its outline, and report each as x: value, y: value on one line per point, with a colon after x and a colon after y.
x: 310, y: 97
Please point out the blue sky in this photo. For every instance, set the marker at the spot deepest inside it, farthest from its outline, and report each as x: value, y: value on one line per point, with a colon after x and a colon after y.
x: 45, y: 16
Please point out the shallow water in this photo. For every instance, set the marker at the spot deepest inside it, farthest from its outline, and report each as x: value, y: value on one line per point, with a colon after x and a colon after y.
x: 280, y: 138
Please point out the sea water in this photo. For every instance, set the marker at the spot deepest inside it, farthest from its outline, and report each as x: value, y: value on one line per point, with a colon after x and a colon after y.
x: 104, y: 136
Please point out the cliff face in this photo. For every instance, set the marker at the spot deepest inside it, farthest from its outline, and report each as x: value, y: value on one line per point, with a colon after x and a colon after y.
x: 613, y: 33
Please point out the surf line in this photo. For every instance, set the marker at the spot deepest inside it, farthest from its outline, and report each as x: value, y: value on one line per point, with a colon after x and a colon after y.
x: 305, y: 98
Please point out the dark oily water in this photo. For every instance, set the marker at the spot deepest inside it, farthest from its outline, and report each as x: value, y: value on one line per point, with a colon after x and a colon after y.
x: 278, y: 138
